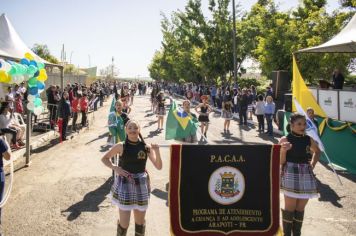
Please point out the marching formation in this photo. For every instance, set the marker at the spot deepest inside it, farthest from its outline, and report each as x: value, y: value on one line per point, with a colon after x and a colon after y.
x: 131, y: 188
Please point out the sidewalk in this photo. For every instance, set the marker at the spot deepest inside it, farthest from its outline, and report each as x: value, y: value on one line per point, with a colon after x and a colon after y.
x: 49, y: 139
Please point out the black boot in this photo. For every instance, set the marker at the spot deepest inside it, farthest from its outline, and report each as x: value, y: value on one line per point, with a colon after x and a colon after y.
x: 287, y: 217
x: 121, y: 231
x: 297, y: 223
x: 139, y: 230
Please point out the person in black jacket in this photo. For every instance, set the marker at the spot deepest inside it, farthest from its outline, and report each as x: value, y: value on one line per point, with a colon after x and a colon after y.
x: 338, y: 79
x: 243, y: 103
x: 52, y: 108
x: 64, y: 113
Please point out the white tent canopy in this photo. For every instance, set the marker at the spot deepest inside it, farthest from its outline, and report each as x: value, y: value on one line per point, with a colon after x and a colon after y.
x: 343, y: 42
x: 11, y: 45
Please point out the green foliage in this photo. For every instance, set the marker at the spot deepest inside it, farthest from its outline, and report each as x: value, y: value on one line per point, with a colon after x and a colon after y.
x: 42, y: 51
x: 260, y: 84
x: 199, y: 49
x: 348, y: 3
x: 350, y: 80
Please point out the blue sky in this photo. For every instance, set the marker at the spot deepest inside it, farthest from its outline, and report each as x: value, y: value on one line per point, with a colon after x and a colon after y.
x: 128, y: 30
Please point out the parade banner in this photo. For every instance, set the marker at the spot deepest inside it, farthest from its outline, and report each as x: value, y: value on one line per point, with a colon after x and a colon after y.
x: 224, y: 190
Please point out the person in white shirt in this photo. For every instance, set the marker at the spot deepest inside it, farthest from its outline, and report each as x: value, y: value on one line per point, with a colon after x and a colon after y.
x: 7, y: 125
x: 22, y: 88
x: 259, y: 112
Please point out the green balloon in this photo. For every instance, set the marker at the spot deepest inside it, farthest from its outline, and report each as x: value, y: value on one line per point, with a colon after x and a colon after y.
x: 38, y: 102
x: 31, y: 70
x: 13, y: 70
x: 40, y: 65
x: 22, y: 69
x: 32, y: 82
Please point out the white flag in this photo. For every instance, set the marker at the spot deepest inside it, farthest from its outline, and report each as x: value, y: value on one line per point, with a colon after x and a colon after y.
x: 312, y: 130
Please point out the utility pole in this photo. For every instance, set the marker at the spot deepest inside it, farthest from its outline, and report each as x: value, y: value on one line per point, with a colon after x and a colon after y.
x: 70, y: 60
x: 112, y: 67
x: 234, y: 40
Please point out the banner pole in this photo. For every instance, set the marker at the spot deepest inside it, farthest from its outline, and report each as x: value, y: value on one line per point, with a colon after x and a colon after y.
x: 332, y: 167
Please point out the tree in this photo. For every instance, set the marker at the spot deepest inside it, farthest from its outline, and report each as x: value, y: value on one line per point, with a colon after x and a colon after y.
x: 348, y: 3
x: 42, y: 51
x: 283, y: 33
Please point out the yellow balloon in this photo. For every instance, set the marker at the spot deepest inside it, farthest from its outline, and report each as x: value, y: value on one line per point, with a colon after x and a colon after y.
x: 42, y: 75
x: 41, y: 78
x: 28, y: 56
x: 3, y: 76
x: 43, y: 71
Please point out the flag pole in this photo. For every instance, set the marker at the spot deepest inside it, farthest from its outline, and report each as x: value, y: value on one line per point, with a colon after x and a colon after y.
x: 332, y: 167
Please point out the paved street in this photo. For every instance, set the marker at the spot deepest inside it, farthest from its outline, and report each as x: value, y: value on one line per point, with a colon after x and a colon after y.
x: 65, y: 190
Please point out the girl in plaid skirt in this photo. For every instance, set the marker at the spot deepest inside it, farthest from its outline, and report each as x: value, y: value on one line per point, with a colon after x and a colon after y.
x: 161, y: 110
x: 298, y: 182
x: 131, y: 188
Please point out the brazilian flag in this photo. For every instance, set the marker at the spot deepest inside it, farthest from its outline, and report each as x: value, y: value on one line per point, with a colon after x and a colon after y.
x: 116, y: 127
x: 180, y: 124
x: 112, y: 107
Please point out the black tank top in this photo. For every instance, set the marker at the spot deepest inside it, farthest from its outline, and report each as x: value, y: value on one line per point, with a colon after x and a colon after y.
x: 227, y: 106
x: 300, y: 151
x: 134, y: 157
x: 204, y: 109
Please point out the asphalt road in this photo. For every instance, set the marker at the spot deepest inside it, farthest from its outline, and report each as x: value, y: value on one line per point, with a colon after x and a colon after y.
x: 65, y: 190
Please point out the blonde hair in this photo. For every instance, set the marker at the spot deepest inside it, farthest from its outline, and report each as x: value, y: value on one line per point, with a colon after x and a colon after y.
x: 186, y: 101
x: 269, y: 98
x: 118, y: 102
x: 310, y: 109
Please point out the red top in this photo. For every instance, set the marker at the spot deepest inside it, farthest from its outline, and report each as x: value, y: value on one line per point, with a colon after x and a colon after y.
x: 18, y: 106
x: 75, y: 105
x: 83, y: 104
x: 71, y: 97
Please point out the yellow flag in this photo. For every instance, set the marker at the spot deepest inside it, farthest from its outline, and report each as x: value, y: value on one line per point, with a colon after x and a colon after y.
x: 302, y: 93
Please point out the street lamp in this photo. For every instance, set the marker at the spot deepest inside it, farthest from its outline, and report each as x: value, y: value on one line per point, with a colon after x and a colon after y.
x: 70, y: 61
x: 234, y: 40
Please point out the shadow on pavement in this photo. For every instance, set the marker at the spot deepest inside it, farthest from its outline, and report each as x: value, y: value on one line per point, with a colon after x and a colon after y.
x: 105, y: 148
x: 273, y: 139
x: 98, y: 138
x: 153, y: 134
x: 234, y: 140
x: 150, y: 123
x: 160, y: 194
x: 327, y: 194
x: 49, y: 145
x: 90, y: 202
x: 345, y: 174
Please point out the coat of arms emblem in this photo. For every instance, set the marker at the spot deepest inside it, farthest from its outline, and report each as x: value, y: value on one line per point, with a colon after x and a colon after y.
x: 226, y: 185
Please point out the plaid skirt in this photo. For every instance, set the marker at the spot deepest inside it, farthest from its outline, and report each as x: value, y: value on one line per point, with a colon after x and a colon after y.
x: 161, y: 111
x: 250, y: 108
x: 298, y: 181
x: 227, y: 115
x: 131, y: 193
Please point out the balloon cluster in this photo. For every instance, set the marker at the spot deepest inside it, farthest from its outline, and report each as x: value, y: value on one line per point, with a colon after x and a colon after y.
x: 27, y: 70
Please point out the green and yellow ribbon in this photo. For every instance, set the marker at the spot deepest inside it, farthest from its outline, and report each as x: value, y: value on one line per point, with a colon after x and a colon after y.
x: 325, y: 122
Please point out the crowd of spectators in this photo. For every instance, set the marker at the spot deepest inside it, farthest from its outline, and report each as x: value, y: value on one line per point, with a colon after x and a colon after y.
x: 244, y: 101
